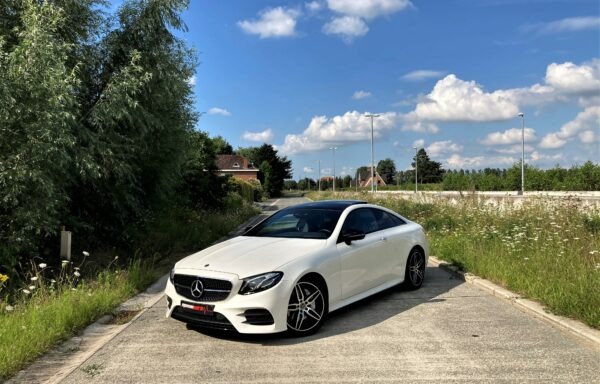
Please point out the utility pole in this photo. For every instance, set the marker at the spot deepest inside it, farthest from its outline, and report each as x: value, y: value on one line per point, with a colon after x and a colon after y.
x: 319, y: 175
x: 522, y: 115
x: 333, y: 149
x: 416, y: 168
x: 371, y: 115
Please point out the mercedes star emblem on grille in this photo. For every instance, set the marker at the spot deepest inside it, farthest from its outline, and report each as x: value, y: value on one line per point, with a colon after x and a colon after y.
x: 197, y: 288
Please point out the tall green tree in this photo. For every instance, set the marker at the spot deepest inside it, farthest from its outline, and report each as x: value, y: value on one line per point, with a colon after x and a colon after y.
x: 428, y: 171
x: 281, y: 167
x: 387, y: 170
x: 37, y: 121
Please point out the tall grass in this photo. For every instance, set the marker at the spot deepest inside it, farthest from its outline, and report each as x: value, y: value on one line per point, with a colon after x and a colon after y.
x: 549, y: 252
x: 42, y: 316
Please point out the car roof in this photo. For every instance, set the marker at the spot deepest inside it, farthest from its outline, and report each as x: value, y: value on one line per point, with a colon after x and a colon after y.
x: 330, y: 204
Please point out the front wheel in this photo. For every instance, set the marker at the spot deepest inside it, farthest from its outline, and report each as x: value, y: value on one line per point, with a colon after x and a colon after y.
x: 415, y: 269
x: 306, y: 309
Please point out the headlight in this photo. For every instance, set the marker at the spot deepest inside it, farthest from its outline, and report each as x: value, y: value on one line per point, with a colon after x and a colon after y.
x: 172, y: 276
x: 260, y: 283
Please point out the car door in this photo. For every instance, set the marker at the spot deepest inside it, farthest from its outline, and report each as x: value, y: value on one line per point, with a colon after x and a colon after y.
x: 397, y: 244
x: 363, y: 262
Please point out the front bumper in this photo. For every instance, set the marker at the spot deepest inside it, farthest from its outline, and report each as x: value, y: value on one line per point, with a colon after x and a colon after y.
x: 237, y: 312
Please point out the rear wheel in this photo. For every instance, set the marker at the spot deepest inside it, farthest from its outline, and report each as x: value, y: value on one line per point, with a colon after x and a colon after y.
x: 415, y: 269
x: 306, y: 309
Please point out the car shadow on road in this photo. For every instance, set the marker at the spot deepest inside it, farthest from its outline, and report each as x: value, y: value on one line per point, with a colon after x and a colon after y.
x: 362, y: 314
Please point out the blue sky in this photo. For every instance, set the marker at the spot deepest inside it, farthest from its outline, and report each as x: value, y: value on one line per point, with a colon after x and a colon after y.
x: 450, y: 76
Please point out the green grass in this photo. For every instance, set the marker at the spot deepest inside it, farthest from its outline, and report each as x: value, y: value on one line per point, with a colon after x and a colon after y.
x: 49, y: 315
x: 546, y: 251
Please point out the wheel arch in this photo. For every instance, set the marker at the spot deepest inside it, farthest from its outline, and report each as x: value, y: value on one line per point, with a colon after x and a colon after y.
x: 317, y: 279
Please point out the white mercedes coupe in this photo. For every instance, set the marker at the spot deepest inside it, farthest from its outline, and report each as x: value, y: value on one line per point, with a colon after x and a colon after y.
x: 293, y: 268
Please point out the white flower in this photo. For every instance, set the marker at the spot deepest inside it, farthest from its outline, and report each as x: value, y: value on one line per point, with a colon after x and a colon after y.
x: 73, y: 289
x: 64, y: 262
x: 116, y: 257
x: 52, y: 281
x: 34, y: 278
x: 27, y: 292
x: 77, y: 274
x: 76, y: 268
x: 9, y: 308
x: 86, y: 253
x: 42, y: 265
x: 32, y: 287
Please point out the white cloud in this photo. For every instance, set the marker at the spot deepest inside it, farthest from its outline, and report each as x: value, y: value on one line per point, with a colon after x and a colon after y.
x: 264, y: 136
x: 347, y: 27
x: 368, y: 9
x: 323, y: 132
x: 540, y: 157
x: 514, y: 149
x: 453, y: 99
x: 423, y: 74
x: 510, y: 136
x: 571, y: 78
x: 457, y: 161
x: 308, y: 170
x: 418, y: 143
x: 588, y: 137
x: 415, y: 125
x: 219, y: 111
x: 272, y: 22
x: 569, y: 24
x: 438, y: 148
x: 313, y: 6
x: 361, y: 95
x: 586, y: 120
x: 192, y: 80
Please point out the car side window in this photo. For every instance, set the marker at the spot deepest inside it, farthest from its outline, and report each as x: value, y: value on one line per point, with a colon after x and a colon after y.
x: 362, y: 220
x: 385, y: 220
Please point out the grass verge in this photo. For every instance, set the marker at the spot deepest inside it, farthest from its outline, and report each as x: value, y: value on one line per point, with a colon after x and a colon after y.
x: 546, y: 251
x: 52, y: 312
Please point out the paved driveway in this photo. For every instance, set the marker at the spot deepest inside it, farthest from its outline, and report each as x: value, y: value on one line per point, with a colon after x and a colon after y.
x: 448, y: 331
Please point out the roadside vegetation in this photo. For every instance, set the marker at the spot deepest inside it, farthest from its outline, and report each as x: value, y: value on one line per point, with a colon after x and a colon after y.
x: 546, y: 250
x: 98, y: 136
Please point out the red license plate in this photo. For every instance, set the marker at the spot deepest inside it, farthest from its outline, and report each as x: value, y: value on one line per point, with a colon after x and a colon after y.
x: 200, y: 308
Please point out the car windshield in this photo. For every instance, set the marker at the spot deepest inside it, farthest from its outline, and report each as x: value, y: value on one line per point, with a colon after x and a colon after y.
x: 302, y: 223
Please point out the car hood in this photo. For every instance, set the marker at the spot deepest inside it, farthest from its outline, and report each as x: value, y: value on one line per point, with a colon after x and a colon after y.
x: 247, y: 256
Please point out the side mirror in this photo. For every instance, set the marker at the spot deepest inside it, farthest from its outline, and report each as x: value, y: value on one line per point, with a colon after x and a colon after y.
x: 353, y: 235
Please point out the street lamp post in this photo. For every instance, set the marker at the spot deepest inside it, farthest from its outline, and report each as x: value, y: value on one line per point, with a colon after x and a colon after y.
x: 319, y: 175
x: 522, y: 116
x: 416, y: 168
x: 333, y: 149
x: 371, y: 115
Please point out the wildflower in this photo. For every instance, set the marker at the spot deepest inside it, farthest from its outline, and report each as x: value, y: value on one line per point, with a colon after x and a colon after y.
x: 3, y: 278
x: 76, y: 268
x: 32, y: 287
x: 9, y: 308
x: 77, y: 274
x: 526, y: 258
x: 86, y: 253
x: 26, y: 291
x: 52, y: 281
x: 34, y: 278
x: 64, y: 263
x: 73, y: 289
x: 42, y: 265
x: 116, y: 257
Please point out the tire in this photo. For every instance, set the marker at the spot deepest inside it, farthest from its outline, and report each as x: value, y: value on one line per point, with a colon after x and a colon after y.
x: 414, y: 274
x: 307, y: 308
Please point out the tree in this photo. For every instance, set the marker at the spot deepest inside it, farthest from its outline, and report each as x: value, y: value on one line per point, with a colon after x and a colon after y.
x: 428, y: 171
x: 222, y: 147
x: 387, y: 169
x: 280, y: 166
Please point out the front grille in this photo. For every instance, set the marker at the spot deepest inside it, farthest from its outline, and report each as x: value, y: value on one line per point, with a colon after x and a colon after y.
x: 214, y: 289
x: 258, y: 317
x: 213, y: 321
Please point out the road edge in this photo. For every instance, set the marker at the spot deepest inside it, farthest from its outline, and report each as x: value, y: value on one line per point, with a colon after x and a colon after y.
x: 531, y: 307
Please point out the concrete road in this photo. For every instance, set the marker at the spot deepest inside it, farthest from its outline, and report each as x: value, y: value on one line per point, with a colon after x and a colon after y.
x: 448, y: 331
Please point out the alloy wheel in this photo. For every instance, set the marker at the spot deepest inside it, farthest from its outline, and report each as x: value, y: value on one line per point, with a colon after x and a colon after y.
x: 416, y: 268
x: 306, y: 308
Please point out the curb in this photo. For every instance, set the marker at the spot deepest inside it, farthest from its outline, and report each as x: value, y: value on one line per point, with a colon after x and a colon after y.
x: 529, y: 306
